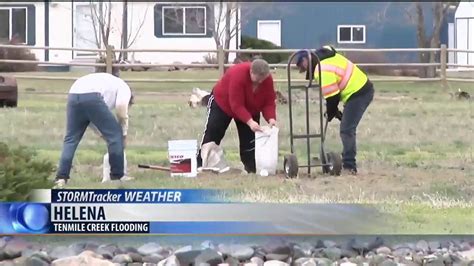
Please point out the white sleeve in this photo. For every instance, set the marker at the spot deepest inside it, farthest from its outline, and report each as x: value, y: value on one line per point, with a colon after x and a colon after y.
x: 121, y: 104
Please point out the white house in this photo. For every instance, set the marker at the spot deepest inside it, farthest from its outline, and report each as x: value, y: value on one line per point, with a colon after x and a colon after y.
x: 464, y: 32
x: 156, y: 25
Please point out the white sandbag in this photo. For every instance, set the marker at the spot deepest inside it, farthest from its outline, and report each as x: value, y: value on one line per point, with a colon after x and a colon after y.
x: 213, y: 158
x: 266, y: 151
x: 106, y: 167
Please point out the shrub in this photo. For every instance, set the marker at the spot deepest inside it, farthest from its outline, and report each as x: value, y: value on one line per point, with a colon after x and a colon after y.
x: 254, y: 43
x: 20, y: 172
x: 17, y: 54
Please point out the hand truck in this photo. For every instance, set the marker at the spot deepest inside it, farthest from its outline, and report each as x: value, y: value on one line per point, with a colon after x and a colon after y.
x: 330, y: 162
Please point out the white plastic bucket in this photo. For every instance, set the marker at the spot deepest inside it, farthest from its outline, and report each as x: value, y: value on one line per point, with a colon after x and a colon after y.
x: 182, y: 157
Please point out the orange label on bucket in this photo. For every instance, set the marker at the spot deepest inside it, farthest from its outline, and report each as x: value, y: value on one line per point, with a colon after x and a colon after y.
x: 181, y: 166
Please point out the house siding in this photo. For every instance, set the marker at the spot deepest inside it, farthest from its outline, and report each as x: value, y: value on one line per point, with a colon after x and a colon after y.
x: 62, y: 24
x: 313, y: 24
x: 148, y: 39
x: 464, y: 35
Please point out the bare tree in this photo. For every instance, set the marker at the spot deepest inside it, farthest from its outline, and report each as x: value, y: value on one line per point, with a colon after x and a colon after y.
x: 228, y: 20
x: 426, y: 37
x: 129, y: 37
x: 232, y: 16
x: 101, y: 15
x: 224, y: 21
x: 224, y: 30
x: 416, y: 14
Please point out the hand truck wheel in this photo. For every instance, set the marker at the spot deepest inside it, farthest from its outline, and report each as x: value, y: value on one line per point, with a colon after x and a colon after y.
x: 290, y: 166
x: 335, y: 161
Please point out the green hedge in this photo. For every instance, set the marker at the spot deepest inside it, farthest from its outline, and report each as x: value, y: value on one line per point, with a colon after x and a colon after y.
x: 20, y: 172
x: 17, y: 54
x: 254, y: 43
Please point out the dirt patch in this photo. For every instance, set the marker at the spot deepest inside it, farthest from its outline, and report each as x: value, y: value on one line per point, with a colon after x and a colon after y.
x: 374, y: 183
x: 379, y: 183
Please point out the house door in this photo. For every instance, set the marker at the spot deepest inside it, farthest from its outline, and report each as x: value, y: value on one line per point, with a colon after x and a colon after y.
x: 269, y: 30
x: 84, y: 33
x: 465, y: 40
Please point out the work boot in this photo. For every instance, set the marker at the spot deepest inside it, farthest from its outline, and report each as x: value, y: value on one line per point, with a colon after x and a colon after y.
x: 119, y: 183
x: 124, y: 178
x: 127, y: 178
x: 59, y: 183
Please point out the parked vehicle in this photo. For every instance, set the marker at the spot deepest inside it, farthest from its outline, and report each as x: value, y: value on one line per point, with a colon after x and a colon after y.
x: 8, y: 91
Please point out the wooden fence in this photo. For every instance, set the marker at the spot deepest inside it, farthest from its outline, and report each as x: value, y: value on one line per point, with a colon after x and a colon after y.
x: 110, y: 52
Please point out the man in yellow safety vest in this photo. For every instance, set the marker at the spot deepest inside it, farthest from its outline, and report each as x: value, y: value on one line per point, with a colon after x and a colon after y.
x: 341, y: 80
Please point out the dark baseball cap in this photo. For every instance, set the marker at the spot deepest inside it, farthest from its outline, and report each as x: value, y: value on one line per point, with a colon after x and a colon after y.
x: 300, y: 55
x: 322, y: 53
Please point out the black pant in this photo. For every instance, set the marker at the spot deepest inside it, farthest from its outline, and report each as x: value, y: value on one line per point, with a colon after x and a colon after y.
x: 216, y: 125
x: 354, y: 109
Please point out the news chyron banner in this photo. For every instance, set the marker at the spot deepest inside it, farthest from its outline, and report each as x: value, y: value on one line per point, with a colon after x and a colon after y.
x: 172, y: 212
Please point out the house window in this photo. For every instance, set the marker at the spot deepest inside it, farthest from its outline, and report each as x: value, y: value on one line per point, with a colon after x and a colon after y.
x: 351, y: 34
x: 13, y: 23
x: 184, y: 20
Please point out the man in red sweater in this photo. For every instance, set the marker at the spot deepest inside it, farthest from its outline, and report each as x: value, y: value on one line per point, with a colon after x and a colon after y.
x: 245, y: 91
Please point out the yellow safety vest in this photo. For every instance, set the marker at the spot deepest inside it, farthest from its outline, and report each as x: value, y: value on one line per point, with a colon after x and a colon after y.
x: 339, y: 75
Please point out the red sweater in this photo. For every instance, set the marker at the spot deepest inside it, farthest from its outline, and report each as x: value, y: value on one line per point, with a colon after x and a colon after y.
x: 234, y: 94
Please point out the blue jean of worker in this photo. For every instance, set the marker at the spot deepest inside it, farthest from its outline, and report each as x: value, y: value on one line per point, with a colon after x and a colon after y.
x: 83, y: 109
x: 354, y: 109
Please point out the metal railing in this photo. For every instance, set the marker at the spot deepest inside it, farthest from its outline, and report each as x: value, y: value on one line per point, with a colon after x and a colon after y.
x: 110, y: 52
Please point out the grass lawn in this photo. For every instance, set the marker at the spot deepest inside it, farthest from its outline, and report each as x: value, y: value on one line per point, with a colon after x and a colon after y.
x: 415, y: 147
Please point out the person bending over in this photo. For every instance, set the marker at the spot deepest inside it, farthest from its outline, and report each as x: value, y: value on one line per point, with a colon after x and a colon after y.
x: 245, y: 91
x: 90, y: 101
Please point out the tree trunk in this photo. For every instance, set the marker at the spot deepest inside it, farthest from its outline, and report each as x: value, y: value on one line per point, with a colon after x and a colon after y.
x: 438, y: 16
x: 227, y: 35
x: 432, y: 41
x: 124, y: 55
x: 108, y: 25
x: 421, y: 38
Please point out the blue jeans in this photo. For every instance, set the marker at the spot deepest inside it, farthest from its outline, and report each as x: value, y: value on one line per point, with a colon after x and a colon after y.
x: 354, y: 109
x: 83, y: 109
